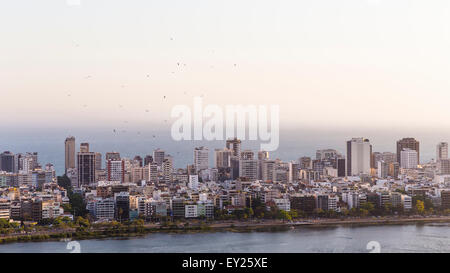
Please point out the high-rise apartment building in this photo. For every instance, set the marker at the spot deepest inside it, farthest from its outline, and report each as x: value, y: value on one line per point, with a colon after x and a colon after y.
x: 408, y: 159
x: 167, y: 167
x: 112, y: 156
x: 98, y: 161
x: 201, y: 158
x: 359, y: 151
x: 248, y: 168
x: 268, y: 167
x: 69, y: 145
x: 407, y: 143
x: 116, y: 170
x: 222, y: 158
x: 85, y: 165
x: 84, y: 147
x: 444, y: 166
x: 382, y: 169
x: 7, y: 162
x: 234, y: 145
x: 327, y: 154
x: 158, y: 156
x: 441, y: 151
x: 305, y: 162
x: 247, y: 154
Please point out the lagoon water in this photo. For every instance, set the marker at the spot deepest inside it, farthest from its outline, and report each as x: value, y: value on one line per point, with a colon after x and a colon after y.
x: 393, y: 238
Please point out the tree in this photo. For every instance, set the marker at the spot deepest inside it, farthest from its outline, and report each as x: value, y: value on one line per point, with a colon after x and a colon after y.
x: 420, y: 206
x: 293, y: 213
x: 285, y: 215
x: 78, y: 205
x: 64, y: 181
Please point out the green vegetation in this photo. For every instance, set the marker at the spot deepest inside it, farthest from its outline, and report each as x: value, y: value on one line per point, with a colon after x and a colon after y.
x: 76, y: 205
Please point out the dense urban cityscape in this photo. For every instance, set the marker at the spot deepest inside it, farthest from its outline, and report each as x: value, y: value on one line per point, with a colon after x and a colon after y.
x: 242, y: 185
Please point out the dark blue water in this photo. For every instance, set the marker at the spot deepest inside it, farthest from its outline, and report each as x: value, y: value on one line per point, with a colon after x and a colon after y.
x: 398, y: 238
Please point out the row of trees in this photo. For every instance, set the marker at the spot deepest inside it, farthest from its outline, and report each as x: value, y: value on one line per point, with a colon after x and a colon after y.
x: 258, y: 210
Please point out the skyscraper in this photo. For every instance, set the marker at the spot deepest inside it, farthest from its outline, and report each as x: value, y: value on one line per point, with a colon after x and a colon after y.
x: 84, y: 147
x: 248, y: 168
x: 247, y: 154
x: 69, y: 145
x: 340, y: 166
x: 116, y: 170
x: 222, y: 158
x: 112, y: 156
x: 359, y: 152
x: 85, y: 165
x: 409, y: 143
x: 158, y: 156
x: 7, y: 163
x: 408, y: 159
x: 201, y: 158
x: 148, y: 159
x: 98, y: 161
x: 235, y: 146
x: 441, y: 151
x: 167, y: 166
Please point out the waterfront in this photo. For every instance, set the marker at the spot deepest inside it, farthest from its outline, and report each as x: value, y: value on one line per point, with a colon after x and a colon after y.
x: 392, y: 238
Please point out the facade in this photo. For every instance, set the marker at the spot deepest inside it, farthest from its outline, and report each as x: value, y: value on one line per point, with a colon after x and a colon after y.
x: 407, y: 143
x: 153, y: 172
x: 116, y: 170
x: 158, y: 156
x: 105, y: 209
x: 7, y: 162
x: 248, y: 168
x: 69, y: 145
x: 167, y: 170
x: 283, y: 204
x: 441, y: 151
x: 408, y: 159
x: 267, y: 169
x: 85, y: 168
x: 122, y: 206
x: 382, y: 169
x: 191, y: 211
x: 201, y: 158
x: 193, y: 182
x: 222, y: 158
x: 359, y: 152
x: 235, y: 146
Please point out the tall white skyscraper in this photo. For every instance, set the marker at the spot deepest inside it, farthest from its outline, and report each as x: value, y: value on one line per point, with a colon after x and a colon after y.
x: 359, y: 151
x: 408, y: 158
x: 441, y: 151
x: 201, y: 158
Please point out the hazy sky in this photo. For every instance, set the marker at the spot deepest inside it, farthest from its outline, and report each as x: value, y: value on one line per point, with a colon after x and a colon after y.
x: 382, y: 63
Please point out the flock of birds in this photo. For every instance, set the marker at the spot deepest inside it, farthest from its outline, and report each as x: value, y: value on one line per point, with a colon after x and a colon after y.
x: 164, y: 98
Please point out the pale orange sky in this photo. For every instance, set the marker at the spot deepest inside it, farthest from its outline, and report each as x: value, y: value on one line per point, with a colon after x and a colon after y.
x: 325, y: 62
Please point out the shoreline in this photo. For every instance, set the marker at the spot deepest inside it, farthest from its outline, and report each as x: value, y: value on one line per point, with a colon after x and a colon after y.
x: 226, y: 226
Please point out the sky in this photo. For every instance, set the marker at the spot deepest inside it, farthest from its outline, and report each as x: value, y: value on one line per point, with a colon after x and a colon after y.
x: 326, y: 63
